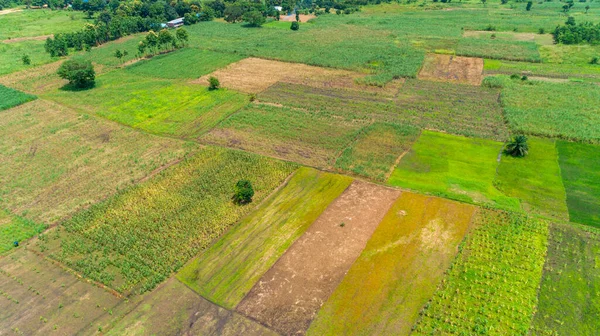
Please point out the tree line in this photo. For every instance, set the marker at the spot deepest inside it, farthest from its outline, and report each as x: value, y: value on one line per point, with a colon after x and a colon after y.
x: 572, y: 33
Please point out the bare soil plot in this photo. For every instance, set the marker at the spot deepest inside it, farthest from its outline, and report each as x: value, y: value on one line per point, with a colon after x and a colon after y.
x: 174, y: 309
x: 399, y: 270
x: 303, y: 18
x: 40, y: 298
x: 10, y: 10
x: 289, y: 295
x: 28, y: 38
x: 450, y: 68
x: 253, y: 75
x: 55, y: 161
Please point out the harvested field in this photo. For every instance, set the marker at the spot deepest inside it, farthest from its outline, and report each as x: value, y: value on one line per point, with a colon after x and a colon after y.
x: 174, y: 309
x: 302, y: 17
x: 289, y: 295
x: 228, y: 270
x: 28, y: 38
x: 454, y: 69
x: 40, y: 298
x: 541, y: 39
x: 56, y: 161
x: 253, y: 75
x: 398, y: 271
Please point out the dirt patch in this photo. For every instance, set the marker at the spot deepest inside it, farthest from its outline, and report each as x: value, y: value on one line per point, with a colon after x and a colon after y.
x: 548, y: 79
x: 8, y: 11
x: 289, y: 295
x: 30, y: 38
x: 449, y: 68
x: 253, y: 75
x: 303, y: 18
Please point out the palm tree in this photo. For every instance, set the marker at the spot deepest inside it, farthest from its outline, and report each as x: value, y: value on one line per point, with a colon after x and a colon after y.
x: 517, y: 146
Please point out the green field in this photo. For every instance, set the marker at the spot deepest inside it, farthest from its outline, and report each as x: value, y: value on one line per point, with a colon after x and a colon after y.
x: 11, y: 55
x: 186, y: 63
x: 535, y: 179
x: 492, y: 286
x: 154, y: 105
x: 16, y: 229
x: 136, y: 239
x: 38, y: 22
x: 376, y: 150
x: 570, y: 110
x: 568, y: 300
x: 11, y: 98
x: 582, y: 71
x: 398, y: 271
x: 579, y: 168
x: 454, y: 167
x: 499, y: 49
x: 226, y: 272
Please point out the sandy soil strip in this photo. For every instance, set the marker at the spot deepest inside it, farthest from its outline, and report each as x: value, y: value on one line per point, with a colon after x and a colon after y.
x: 289, y: 295
x: 29, y: 38
x: 8, y: 11
x: 290, y: 18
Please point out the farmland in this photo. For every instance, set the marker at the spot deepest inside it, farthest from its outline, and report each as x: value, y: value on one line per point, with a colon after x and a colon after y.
x: 11, y: 98
x: 16, y: 229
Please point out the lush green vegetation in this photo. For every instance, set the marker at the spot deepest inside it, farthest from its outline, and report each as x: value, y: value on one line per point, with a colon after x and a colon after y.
x: 499, y: 49
x: 570, y: 110
x: 11, y: 55
x: 399, y: 269
x: 579, y: 168
x: 227, y: 271
x: 455, y: 167
x: 376, y: 150
x: 136, y: 239
x: 535, y: 179
x: 39, y: 22
x: 553, y: 70
x: 154, y: 105
x: 492, y: 287
x: 568, y: 300
x: 185, y: 63
x: 16, y: 229
x: 11, y: 98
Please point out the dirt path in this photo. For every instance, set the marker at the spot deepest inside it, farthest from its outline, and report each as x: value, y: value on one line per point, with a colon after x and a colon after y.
x: 11, y: 10
x: 29, y: 38
x: 289, y: 295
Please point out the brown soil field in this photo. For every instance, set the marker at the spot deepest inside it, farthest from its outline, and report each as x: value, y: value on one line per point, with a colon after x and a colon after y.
x: 174, y: 309
x: 449, y: 68
x: 40, y: 298
x: 290, y: 18
x: 29, y: 38
x: 289, y: 295
x: 254, y: 75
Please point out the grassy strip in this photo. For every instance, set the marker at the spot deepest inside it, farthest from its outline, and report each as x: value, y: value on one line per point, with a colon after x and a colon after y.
x: 535, y: 179
x: 492, y: 286
x: 16, y: 229
x: 454, y: 167
x: 137, y: 238
x: 579, y: 168
x: 569, y: 303
x: 398, y: 271
x: 499, y: 49
x: 11, y: 98
x: 226, y: 272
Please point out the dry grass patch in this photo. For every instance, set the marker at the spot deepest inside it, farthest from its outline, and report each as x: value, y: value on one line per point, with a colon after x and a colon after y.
x: 541, y: 39
x: 450, y: 68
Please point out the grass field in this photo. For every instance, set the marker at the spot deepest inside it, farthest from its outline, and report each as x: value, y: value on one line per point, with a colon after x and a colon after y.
x: 16, y: 229
x: 309, y: 137
x: 56, y: 161
x: 154, y: 105
x: 226, y: 272
x: 535, y: 179
x: 39, y: 22
x: 568, y: 298
x: 11, y: 97
x: 492, y: 286
x: 11, y: 55
x: 136, y: 239
x: 376, y: 150
x: 186, y: 63
x: 37, y: 80
x: 499, y: 49
x: 568, y: 111
x: 583, y: 71
x: 579, y: 168
x: 454, y: 167
x: 398, y: 271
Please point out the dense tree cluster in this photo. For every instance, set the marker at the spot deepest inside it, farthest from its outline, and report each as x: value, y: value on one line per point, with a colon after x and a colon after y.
x: 572, y: 33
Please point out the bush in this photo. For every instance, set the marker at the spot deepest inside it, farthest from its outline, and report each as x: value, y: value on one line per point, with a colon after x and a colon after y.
x: 493, y: 82
x: 528, y: 7
x: 243, y: 192
x: 295, y: 25
x: 542, y: 31
x: 595, y: 60
x: 254, y: 18
x: 26, y: 60
x: 78, y: 72
x: 517, y: 146
x: 213, y: 83
x: 515, y: 76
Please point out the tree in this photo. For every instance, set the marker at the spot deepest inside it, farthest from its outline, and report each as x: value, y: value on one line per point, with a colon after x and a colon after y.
x: 233, y: 13
x: 566, y: 8
x: 164, y: 37
x: 483, y: 2
x: 182, y: 35
x: 254, y: 18
x: 118, y: 55
x: 517, y: 146
x: 78, y: 72
x: 213, y: 83
x: 295, y: 25
x: 529, y: 4
x: 587, y: 8
x: 277, y: 15
x: 297, y: 16
x: 142, y: 48
x: 243, y: 192
x: 26, y: 60
x: 151, y: 40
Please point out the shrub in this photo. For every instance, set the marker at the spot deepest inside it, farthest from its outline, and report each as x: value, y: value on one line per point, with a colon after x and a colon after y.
x: 515, y: 76
x: 295, y: 25
x: 490, y: 28
x: 595, y: 60
x: 243, y: 192
x: 78, y: 72
x: 493, y: 82
x: 529, y: 4
x: 542, y: 31
x: 524, y: 78
x: 213, y: 83
x: 254, y: 18
x: 26, y: 60
x: 517, y: 146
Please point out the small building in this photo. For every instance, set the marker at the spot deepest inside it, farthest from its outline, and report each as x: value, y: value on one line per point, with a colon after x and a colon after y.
x: 175, y: 23
x: 278, y: 8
